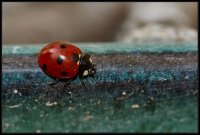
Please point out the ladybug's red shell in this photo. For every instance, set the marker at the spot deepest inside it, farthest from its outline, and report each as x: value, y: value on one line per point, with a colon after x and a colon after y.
x: 60, y: 60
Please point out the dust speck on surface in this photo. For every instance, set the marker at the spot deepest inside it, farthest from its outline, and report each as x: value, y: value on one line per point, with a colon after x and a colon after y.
x: 38, y: 131
x: 15, y: 91
x: 15, y: 106
x: 87, y: 116
x: 71, y: 108
x: 51, y: 103
x: 123, y: 93
x: 135, y: 106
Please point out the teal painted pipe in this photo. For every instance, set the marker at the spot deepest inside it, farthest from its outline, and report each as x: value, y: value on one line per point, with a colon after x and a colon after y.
x: 110, y: 47
x: 130, y: 67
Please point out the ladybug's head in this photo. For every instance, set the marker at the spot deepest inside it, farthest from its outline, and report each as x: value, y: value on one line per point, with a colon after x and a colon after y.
x: 87, y: 68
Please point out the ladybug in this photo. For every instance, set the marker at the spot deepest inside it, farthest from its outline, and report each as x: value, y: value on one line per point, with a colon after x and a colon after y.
x: 64, y: 62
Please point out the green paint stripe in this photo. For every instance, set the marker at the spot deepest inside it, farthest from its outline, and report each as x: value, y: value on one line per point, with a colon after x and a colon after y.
x: 108, y: 47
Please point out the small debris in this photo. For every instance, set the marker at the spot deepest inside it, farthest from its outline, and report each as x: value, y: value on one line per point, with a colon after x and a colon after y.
x: 128, y: 122
x: 195, y: 92
x: 38, y: 131
x: 87, y: 117
x: 124, y: 93
x: 186, y: 77
x: 91, y: 100
x: 15, y: 91
x: 151, y: 99
x: 70, y: 93
x: 87, y: 112
x: 71, y: 108
x: 135, y: 106
x: 98, y: 102
x: 124, y: 97
x: 15, y: 106
x: 7, y: 125
x: 51, y: 104
x: 162, y: 79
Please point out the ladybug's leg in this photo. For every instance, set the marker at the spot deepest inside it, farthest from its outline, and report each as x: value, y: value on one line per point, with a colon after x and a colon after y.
x: 66, y: 84
x: 52, y: 91
x: 83, y: 83
x: 54, y: 82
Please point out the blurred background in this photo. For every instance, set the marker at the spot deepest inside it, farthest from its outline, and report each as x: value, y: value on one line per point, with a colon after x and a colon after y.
x: 39, y: 22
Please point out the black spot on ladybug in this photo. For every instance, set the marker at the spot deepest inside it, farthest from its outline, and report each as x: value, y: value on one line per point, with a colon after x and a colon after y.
x: 60, y: 60
x: 63, y: 46
x: 63, y: 73
x: 75, y: 57
x: 44, y: 67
